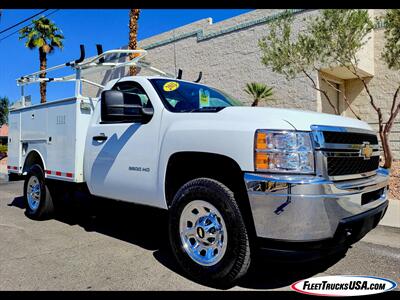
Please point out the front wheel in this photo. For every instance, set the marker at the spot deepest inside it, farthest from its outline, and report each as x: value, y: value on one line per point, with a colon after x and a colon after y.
x: 38, y: 200
x: 207, y: 233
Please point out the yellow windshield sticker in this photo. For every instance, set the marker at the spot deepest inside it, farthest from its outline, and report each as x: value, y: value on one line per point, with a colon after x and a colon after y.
x: 204, y: 97
x: 171, y: 86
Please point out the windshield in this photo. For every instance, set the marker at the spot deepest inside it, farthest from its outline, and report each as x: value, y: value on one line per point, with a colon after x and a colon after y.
x: 180, y: 96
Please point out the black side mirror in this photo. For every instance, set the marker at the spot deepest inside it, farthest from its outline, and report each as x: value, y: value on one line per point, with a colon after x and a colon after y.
x: 117, y: 106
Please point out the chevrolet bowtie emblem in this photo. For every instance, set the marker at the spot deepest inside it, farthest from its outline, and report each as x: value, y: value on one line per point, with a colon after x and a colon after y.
x: 366, y: 151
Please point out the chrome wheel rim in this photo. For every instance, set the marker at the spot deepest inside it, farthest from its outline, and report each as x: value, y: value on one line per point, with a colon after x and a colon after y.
x: 33, y: 193
x: 203, y: 233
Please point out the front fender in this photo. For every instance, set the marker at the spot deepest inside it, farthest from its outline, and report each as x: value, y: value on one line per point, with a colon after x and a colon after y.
x: 209, y: 133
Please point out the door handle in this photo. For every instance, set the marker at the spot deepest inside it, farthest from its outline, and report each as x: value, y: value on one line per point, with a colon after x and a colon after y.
x: 100, y: 137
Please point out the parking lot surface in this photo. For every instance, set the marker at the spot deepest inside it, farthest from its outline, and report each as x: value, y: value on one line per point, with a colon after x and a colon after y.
x: 109, y: 245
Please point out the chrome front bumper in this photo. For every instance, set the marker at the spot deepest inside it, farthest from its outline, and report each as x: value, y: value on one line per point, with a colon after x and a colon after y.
x: 309, y: 208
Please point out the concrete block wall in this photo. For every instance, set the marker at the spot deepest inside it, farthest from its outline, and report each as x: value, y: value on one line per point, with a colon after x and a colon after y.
x: 228, y: 55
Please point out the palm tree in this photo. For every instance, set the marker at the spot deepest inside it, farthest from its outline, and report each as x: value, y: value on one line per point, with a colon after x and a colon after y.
x: 259, y: 91
x: 133, y: 28
x: 44, y: 35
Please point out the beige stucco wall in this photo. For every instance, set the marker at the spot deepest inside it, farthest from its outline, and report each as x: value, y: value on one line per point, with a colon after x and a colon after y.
x: 232, y: 58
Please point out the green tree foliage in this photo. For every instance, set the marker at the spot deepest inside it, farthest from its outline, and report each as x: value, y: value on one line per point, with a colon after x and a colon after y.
x: 391, y: 52
x: 44, y: 35
x: 259, y: 91
x: 333, y: 39
x: 338, y: 34
x: 4, y: 103
x: 282, y: 53
x: 3, y: 151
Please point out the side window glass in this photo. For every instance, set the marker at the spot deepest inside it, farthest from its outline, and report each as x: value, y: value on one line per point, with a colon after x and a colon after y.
x: 134, y: 88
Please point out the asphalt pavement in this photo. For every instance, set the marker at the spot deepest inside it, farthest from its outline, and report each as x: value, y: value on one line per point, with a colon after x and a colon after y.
x: 107, y: 245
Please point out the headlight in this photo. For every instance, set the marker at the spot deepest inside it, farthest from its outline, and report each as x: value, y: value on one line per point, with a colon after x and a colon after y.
x: 283, y: 151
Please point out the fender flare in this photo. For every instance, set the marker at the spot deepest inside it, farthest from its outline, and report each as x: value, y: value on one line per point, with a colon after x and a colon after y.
x: 31, y: 153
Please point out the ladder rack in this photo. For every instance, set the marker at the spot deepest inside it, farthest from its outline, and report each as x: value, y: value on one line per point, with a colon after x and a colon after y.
x: 108, y: 60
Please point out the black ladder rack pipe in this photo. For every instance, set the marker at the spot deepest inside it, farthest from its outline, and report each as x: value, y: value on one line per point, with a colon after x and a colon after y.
x: 99, y: 48
x: 179, y: 74
x: 199, y: 78
x: 80, y: 59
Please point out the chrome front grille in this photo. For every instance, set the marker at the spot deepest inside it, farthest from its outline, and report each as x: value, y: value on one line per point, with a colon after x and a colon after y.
x: 347, y: 165
x: 345, y: 153
x: 332, y: 137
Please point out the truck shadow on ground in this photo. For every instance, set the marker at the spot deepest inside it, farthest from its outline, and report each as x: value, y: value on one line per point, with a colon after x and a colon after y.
x: 264, y: 274
x: 131, y: 223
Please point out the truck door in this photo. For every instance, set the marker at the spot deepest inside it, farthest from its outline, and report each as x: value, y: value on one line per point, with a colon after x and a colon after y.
x: 123, y: 164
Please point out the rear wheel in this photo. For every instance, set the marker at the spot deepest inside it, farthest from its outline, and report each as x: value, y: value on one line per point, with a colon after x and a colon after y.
x: 38, y: 200
x: 208, y: 235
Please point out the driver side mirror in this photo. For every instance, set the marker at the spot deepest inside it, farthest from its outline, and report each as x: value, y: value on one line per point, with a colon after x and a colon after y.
x: 120, y: 107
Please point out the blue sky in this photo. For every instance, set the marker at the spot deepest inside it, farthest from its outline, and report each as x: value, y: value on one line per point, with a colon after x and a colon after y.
x: 89, y: 27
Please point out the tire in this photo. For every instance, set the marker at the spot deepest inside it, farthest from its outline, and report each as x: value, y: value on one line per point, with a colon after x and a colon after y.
x: 37, y: 196
x: 223, y: 268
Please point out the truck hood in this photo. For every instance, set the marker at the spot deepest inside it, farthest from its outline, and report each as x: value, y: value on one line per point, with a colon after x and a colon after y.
x: 298, y: 119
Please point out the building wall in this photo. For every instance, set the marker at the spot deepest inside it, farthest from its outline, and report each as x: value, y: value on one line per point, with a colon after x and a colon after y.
x: 228, y: 55
x: 3, y: 134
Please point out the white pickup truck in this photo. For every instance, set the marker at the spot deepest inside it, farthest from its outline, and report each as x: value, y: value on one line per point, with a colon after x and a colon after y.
x: 235, y: 179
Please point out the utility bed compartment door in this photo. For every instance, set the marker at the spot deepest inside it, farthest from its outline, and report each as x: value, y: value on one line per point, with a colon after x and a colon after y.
x: 56, y: 131
x: 33, y: 125
x: 61, y: 134
x: 14, y: 145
